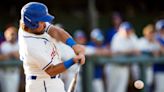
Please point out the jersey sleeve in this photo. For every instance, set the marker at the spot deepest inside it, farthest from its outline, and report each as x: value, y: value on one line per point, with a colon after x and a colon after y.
x: 48, y: 25
x: 68, y: 51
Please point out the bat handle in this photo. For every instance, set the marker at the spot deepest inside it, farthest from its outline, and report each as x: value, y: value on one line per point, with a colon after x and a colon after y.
x: 78, y: 68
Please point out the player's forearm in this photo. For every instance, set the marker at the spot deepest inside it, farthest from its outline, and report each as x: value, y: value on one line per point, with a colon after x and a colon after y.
x: 59, y: 34
x: 53, y: 70
x: 15, y: 55
x: 120, y: 53
x: 3, y: 57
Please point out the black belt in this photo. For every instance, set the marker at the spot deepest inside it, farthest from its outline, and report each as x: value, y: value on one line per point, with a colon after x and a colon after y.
x: 35, y: 77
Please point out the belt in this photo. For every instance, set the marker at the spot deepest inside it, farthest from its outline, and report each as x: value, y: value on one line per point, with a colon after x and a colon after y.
x: 36, y: 77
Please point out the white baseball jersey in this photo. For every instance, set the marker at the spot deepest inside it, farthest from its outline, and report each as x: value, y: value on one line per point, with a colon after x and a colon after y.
x: 7, y: 47
x: 38, y: 52
x: 120, y: 43
x: 9, y: 73
x: 145, y: 45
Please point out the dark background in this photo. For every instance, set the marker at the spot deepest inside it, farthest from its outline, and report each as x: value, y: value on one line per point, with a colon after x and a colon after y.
x: 73, y: 14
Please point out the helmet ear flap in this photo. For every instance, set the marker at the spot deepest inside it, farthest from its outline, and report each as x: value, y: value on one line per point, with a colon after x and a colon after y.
x: 29, y: 23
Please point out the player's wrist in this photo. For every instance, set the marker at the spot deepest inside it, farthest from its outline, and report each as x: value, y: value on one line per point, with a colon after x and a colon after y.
x: 70, y: 42
x: 79, y: 49
x: 68, y: 63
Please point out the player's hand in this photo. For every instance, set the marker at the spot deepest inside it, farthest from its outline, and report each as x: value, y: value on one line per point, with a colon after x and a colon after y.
x: 79, y: 59
x: 79, y: 49
x: 80, y: 52
x: 14, y: 55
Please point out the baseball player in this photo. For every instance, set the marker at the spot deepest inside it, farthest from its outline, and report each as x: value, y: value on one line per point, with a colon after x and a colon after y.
x: 41, y: 59
x: 9, y: 49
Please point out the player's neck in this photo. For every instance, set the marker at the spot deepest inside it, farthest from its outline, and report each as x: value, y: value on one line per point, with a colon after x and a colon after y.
x: 29, y: 30
x: 33, y: 31
x: 25, y: 28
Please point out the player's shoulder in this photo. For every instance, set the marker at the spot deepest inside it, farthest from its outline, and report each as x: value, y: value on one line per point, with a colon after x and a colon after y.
x: 32, y: 40
x: 117, y: 37
x: 52, y: 27
x: 36, y: 40
x: 4, y: 44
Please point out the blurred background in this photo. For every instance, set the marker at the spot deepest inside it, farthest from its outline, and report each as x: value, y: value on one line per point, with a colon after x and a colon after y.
x: 77, y: 14
x: 124, y: 42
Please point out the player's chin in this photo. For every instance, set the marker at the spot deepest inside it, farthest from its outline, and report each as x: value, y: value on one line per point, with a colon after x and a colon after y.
x: 39, y: 33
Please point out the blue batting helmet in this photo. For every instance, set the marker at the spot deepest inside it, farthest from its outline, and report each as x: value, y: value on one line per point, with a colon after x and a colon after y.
x: 159, y: 25
x: 126, y: 25
x: 97, y: 34
x: 34, y: 12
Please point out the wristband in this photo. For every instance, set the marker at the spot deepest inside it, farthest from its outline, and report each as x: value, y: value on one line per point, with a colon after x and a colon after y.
x: 68, y: 63
x: 70, y: 42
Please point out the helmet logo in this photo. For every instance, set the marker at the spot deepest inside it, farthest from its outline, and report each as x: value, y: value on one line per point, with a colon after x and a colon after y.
x: 27, y: 18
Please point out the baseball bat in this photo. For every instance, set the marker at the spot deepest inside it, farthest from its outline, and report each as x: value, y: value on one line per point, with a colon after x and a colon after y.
x: 73, y: 83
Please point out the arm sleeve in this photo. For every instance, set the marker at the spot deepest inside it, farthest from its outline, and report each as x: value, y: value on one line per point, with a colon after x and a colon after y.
x: 48, y: 25
x: 66, y: 51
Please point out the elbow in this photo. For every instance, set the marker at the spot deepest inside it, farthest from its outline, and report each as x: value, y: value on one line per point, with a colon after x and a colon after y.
x: 54, y: 70
x: 52, y: 73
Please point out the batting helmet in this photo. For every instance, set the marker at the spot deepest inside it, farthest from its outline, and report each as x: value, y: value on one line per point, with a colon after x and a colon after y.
x: 159, y: 25
x: 126, y: 25
x: 97, y: 34
x: 34, y: 12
